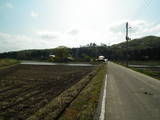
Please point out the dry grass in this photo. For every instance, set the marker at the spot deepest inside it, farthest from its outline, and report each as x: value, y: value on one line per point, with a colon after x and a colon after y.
x: 7, y: 62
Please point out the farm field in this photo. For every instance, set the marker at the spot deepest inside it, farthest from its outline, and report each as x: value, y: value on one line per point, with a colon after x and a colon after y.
x: 153, y: 72
x: 151, y: 68
x: 145, y: 63
x: 27, y: 88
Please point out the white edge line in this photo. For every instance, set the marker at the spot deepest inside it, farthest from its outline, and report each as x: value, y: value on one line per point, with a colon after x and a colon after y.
x: 102, y: 114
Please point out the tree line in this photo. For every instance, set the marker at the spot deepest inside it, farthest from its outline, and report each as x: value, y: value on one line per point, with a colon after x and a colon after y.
x: 147, y: 48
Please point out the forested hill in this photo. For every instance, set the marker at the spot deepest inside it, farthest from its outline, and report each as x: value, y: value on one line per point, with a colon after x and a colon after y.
x: 148, y: 42
x: 146, y: 48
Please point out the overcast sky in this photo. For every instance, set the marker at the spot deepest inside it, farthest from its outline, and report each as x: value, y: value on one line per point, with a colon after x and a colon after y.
x: 28, y: 24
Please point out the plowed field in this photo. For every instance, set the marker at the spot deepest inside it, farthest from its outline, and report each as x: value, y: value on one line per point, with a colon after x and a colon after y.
x: 28, y: 88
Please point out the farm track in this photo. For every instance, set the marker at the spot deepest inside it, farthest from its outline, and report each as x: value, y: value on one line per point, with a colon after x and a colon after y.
x: 29, y: 88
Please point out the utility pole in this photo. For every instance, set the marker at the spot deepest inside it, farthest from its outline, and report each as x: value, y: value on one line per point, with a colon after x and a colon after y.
x: 96, y: 53
x: 127, y: 38
x: 77, y: 53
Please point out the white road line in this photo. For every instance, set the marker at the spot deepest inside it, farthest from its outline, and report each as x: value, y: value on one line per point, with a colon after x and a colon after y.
x: 102, y: 114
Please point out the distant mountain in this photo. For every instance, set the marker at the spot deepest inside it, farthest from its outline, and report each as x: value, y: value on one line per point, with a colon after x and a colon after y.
x: 146, y: 48
x: 147, y: 42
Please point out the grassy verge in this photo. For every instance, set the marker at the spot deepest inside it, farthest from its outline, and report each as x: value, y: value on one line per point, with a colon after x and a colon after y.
x: 7, y: 62
x: 85, y: 105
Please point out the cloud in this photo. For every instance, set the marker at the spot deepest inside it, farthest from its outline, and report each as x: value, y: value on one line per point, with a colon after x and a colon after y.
x: 9, y: 5
x: 113, y: 34
x: 155, y: 30
x: 34, y: 14
x: 139, y: 28
x: 48, y: 34
x: 72, y: 37
x: 73, y: 31
x: 44, y: 39
x: 9, y: 42
x: 117, y: 27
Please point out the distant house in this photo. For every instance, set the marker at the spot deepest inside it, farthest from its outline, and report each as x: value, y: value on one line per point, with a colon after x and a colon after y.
x: 101, y: 58
x: 70, y: 58
x: 52, y: 56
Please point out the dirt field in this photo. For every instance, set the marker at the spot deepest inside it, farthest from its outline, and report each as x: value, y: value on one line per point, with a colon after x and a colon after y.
x: 28, y: 88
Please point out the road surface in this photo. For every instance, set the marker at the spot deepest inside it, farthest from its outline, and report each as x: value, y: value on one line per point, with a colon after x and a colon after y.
x: 131, y: 95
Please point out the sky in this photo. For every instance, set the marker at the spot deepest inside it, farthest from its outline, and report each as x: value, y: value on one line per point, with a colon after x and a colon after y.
x: 40, y: 24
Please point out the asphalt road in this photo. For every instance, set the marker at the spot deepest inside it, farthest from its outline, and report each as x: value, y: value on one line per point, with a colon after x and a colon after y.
x: 131, y: 95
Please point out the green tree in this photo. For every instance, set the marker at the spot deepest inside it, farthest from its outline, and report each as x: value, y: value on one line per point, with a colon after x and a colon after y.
x: 62, y: 54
